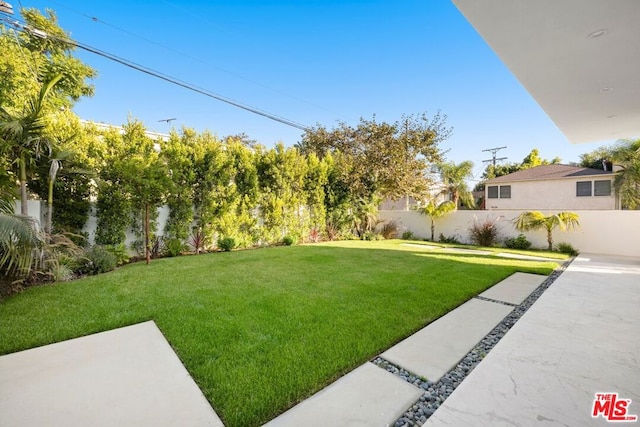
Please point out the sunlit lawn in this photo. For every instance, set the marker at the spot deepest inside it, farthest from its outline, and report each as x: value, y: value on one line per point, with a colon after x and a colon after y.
x: 262, y: 329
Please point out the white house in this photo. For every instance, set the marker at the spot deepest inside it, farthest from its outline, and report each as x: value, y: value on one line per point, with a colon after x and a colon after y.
x: 552, y: 187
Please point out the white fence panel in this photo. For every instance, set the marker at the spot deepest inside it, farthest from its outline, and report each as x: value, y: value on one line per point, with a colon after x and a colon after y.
x: 610, y: 232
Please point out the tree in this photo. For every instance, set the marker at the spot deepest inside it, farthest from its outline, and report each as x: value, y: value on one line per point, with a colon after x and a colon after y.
x: 626, y: 155
x: 23, y: 137
x: 19, y: 241
x: 436, y: 210
x: 454, y: 181
x: 535, y: 220
x: 380, y: 159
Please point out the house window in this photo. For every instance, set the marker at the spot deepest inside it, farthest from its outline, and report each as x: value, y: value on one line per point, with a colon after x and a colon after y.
x: 602, y: 188
x: 505, y: 191
x: 492, y: 191
x: 583, y: 188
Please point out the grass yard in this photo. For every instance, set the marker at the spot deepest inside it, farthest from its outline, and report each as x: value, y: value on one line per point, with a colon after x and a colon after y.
x: 260, y: 330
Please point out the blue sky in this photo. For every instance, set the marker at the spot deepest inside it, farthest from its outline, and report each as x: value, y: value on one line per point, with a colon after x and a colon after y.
x: 310, y: 62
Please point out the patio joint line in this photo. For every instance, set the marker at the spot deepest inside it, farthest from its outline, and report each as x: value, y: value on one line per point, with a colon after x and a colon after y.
x: 436, y: 393
x: 496, y: 301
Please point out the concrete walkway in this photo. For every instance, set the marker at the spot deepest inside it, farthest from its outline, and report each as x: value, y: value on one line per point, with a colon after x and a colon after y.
x: 124, y: 377
x: 580, y: 338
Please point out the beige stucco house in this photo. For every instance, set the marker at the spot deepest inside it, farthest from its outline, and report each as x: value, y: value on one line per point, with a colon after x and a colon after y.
x: 552, y: 187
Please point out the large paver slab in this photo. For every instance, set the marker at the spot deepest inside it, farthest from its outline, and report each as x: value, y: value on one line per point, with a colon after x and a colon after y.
x: 367, y: 396
x: 437, y: 348
x: 528, y: 257
x: 515, y: 288
x: 578, y: 339
x: 124, y: 377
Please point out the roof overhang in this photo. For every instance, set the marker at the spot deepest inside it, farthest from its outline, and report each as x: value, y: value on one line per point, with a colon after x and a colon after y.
x: 579, y: 59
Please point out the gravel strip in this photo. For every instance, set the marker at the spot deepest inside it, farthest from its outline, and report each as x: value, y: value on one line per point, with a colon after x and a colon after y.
x: 435, y: 393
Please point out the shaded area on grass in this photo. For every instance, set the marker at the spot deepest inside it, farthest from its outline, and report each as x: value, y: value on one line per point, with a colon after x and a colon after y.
x: 261, y: 330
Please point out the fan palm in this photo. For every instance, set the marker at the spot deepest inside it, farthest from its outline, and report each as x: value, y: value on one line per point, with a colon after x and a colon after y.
x: 434, y: 211
x: 454, y: 178
x: 535, y: 220
x: 19, y: 241
x: 23, y: 136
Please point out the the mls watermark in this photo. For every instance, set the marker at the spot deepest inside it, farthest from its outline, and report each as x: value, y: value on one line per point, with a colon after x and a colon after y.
x: 612, y: 408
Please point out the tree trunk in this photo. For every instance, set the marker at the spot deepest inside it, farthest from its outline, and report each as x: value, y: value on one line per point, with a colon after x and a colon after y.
x: 24, y: 210
x: 433, y: 229
x: 147, y: 250
x: 48, y: 225
x: 550, y: 240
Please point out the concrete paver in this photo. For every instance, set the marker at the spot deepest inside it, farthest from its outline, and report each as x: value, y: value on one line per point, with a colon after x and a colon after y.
x: 418, y: 246
x: 436, y: 349
x: 515, y: 288
x: 124, y: 377
x: 528, y: 257
x: 367, y: 396
x: 580, y: 338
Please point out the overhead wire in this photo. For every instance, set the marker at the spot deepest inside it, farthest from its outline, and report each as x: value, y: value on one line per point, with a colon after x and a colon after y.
x: 193, y: 58
x: 20, y: 26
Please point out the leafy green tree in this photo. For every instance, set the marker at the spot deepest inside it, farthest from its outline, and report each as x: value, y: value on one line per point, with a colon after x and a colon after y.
x: 454, y: 179
x: 436, y: 210
x: 535, y: 220
x: 382, y: 159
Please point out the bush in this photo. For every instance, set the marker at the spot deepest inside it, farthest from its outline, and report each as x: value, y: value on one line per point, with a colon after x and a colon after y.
x: 449, y: 239
x: 484, y: 233
x: 408, y: 235
x: 174, y: 247
x: 288, y: 240
x: 389, y: 230
x: 370, y: 235
x: 519, y: 242
x: 120, y: 252
x: 98, y: 260
x: 227, y: 243
x: 567, y: 248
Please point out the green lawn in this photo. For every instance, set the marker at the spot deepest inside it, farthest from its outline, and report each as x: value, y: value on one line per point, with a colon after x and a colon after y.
x: 262, y: 329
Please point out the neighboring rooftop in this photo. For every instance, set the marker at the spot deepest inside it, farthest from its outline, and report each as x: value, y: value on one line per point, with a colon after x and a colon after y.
x: 548, y: 172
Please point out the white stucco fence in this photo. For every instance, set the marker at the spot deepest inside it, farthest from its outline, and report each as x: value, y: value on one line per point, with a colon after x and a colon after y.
x: 601, y: 232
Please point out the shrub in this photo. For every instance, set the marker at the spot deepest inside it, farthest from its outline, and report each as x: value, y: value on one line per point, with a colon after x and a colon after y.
x: 567, y: 248
x: 314, y: 235
x: 389, y: 230
x: 408, y: 235
x: 370, y: 235
x: 98, y: 260
x: 519, y: 242
x: 484, y: 233
x: 120, y: 252
x: 227, y: 243
x: 332, y: 230
x: 174, y: 247
x: 288, y: 240
x: 198, y: 240
x: 455, y: 239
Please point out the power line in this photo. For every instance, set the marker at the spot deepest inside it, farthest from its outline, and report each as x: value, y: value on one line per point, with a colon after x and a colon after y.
x: 493, y: 158
x: 138, y: 67
x: 169, y: 49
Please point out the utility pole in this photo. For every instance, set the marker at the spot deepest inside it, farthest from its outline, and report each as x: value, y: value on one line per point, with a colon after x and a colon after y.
x: 493, y: 158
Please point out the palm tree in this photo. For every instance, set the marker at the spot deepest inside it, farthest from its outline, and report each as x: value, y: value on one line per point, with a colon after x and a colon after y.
x: 23, y: 135
x: 434, y: 211
x: 454, y: 180
x: 627, y: 181
x: 19, y: 241
x: 535, y: 220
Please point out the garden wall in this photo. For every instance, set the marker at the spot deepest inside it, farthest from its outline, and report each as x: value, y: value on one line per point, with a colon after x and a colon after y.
x: 601, y: 232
